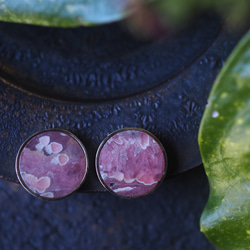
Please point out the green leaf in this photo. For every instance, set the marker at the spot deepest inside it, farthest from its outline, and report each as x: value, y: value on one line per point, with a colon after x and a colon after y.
x: 224, y: 140
x: 62, y: 13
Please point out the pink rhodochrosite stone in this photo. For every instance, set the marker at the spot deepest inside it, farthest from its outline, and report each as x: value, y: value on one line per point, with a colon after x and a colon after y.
x: 51, y: 164
x: 131, y: 163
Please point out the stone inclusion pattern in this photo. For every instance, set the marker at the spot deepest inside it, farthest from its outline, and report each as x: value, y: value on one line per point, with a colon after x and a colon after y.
x: 131, y: 163
x: 52, y: 164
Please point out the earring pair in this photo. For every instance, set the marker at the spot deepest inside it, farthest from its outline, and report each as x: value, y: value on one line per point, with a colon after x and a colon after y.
x: 52, y: 164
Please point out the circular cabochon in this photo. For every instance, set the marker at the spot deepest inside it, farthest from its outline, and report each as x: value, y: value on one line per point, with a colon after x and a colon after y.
x: 51, y: 164
x: 131, y: 162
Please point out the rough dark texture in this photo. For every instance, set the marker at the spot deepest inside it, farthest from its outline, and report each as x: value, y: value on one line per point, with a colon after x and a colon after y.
x: 97, y: 63
x: 167, y: 219
x: 110, y: 80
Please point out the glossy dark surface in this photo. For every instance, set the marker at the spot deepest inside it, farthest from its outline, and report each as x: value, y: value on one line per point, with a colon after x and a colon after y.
x: 93, y: 81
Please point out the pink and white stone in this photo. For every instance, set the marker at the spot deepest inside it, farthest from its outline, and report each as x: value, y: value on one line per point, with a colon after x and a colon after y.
x: 54, y: 148
x: 131, y: 163
x: 52, y: 164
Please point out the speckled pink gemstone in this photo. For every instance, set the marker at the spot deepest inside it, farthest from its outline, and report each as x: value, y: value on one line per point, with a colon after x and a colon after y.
x: 131, y: 163
x: 51, y: 164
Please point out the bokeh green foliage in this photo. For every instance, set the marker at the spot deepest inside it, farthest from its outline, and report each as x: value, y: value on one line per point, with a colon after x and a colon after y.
x: 70, y: 13
x: 178, y: 12
x: 62, y: 13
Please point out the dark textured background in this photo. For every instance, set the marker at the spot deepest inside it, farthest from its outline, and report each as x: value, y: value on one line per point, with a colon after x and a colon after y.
x: 95, y: 80
x: 170, y: 79
x: 167, y: 219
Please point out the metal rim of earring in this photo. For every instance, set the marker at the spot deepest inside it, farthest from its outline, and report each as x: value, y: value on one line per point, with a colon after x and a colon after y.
x: 44, y: 186
x: 102, y: 176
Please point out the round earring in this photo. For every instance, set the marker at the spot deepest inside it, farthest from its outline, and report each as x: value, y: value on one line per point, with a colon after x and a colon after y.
x: 131, y: 162
x: 51, y: 164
